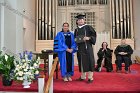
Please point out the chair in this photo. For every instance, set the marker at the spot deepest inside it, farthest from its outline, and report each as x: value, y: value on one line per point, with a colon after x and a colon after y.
x: 123, y: 65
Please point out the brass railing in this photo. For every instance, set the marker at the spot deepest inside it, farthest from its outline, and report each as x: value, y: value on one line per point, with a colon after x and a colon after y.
x: 48, y: 84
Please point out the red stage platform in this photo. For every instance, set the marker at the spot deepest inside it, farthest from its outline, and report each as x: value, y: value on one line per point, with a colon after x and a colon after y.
x: 103, y: 83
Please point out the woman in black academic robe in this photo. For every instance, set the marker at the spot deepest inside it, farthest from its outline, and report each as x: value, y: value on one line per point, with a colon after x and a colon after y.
x: 104, y: 54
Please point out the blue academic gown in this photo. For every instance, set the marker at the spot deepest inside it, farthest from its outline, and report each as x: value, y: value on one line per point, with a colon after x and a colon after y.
x: 60, y: 47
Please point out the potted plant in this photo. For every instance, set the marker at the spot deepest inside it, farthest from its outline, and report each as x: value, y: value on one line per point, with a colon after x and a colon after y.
x: 6, y: 68
x: 26, y: 68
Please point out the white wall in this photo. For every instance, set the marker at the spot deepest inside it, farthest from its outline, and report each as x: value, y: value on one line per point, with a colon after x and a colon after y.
x: 0, y: 26
x: 136, y: 15
x: 29, y: 31
x: 10, y: 27
x: 19, y: 26
x: 12, y: 34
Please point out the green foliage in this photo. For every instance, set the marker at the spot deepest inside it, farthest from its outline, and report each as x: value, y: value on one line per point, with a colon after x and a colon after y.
x: 6, y: 65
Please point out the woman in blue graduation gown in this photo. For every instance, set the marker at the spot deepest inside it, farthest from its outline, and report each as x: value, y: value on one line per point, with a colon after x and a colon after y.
x: 65, y: 46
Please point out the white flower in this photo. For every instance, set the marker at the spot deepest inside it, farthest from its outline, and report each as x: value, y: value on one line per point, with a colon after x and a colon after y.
x: 21, y: 78
x: 20, y: 73
x: 32, y: 77
x: 31, y: 68
x: 16, y: 73
x: 23, y: 60
x: 25, y: 64
x: 18, y: 78
x: 25, y: 69
x: 16, y: 69
x: 26, y: 57
x: 36, y: 72
x: 6, y: 57
x: 38, y: 59
x: 17, y: 65
x: 20, y: 67
x: 35, y: 65
x: 28, y: 73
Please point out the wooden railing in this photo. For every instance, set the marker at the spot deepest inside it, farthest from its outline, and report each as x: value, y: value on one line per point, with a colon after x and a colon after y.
x: 137, y: 59
x: 48, y: 84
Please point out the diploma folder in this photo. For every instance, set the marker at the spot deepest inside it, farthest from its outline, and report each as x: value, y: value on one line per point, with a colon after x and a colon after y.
x: 79, y: 39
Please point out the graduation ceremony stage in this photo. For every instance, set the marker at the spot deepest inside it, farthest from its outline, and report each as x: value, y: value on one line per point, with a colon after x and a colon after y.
x: 103, y: 83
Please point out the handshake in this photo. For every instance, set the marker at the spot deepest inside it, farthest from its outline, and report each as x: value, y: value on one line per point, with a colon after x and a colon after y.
x: 122, y: 53
x: 69, y: 50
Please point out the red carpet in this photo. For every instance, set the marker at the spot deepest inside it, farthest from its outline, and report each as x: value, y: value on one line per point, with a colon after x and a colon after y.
x: 103, y: 83
x: 17, y: 87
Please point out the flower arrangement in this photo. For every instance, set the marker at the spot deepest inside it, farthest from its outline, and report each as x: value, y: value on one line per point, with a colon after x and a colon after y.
x: 27, y: 67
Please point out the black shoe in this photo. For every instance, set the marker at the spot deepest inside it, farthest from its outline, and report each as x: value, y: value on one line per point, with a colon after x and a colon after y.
x: 119, y: 71
x: 109, y: 70
x: 96, y: 70
x: 80, y: 79
x: 89, y: 81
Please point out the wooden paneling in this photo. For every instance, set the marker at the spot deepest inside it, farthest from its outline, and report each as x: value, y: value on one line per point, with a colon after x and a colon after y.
x: 44, y: 44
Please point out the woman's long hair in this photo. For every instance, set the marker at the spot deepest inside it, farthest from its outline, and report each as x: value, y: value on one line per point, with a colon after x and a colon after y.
x: 106, y: 44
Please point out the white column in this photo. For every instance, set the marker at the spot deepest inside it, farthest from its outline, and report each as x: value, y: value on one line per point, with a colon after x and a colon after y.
x: 131, y: 15
x: 40, y: 85
x: 19, y: 26
x: 50, y: 67
x: 1, y: 24
x: 136, y: 16
x: 56, y: 15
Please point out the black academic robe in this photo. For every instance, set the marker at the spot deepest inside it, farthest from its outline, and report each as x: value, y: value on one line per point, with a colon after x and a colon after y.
x: 124, y: 48
x: 85, y: 51
x: 107, y: 54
